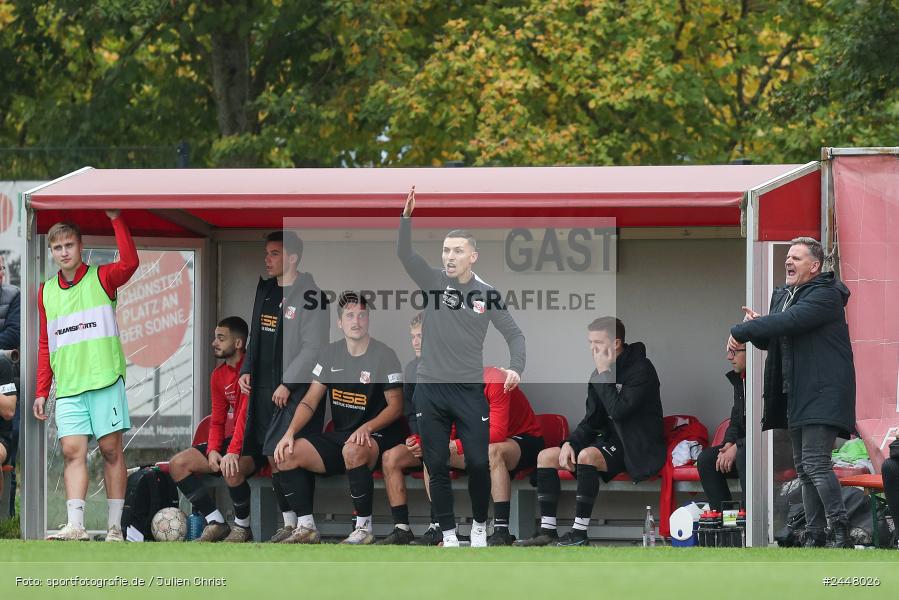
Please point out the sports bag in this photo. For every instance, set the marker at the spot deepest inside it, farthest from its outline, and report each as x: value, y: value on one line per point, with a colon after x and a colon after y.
x: 148, y: 491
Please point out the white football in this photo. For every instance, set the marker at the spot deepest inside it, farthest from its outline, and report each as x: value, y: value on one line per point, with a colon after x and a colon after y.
x: 169, y: 525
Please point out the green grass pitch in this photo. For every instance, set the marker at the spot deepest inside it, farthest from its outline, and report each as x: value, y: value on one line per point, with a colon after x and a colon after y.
x: 264, y: 571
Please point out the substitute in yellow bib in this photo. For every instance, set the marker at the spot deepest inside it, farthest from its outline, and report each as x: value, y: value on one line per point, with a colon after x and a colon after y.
x: 80, y: 349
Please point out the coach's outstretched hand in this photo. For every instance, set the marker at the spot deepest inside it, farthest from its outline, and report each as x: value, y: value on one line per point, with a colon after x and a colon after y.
x: 410, y: 203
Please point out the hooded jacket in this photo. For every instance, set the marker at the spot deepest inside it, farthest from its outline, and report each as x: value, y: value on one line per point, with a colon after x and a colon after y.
x: 628, y: 403
x: 809, y: 373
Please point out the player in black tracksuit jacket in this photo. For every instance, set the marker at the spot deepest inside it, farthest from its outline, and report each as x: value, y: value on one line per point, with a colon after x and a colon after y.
x: 460, y: 307
x: 289, y: 327
x: 620, y: 432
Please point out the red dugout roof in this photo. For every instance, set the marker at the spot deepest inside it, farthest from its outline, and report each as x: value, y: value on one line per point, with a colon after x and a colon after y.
x: 178, y: 202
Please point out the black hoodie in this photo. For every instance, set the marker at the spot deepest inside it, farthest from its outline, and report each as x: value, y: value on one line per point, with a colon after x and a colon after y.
x: 809, y: 373
x: 630, y: 403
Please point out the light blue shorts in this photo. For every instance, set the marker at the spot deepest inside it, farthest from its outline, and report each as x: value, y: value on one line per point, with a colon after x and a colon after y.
x: 95, y: 413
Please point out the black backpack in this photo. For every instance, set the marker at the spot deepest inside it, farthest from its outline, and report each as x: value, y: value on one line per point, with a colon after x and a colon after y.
x: 858, y: 511
x: 148, y: 491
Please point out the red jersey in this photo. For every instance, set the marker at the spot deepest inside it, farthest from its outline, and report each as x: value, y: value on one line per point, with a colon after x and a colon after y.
x: 226, y: 398
x: 510, y: 412
x: 112, y: 276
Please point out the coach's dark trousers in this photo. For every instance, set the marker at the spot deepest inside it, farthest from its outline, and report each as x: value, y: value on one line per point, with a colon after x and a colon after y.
x: 439, y: 405
x: 821, y: 494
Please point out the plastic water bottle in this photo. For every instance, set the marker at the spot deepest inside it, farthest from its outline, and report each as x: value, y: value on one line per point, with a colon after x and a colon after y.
x: 649, y: 529
x: 195, y: 524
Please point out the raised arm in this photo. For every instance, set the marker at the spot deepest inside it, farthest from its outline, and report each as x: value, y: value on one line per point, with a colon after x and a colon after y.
x: 416, y: 266
x: 116, y: 274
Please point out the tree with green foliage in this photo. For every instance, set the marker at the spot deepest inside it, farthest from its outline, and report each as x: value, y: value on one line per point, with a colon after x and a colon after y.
x: 421, y: 82
x: 851, y: 97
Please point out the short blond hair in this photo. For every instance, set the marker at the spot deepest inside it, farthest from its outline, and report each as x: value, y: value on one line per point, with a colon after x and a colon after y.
x: 63, y: 229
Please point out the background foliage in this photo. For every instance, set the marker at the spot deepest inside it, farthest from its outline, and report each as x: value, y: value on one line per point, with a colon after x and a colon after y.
x: 422, y: 82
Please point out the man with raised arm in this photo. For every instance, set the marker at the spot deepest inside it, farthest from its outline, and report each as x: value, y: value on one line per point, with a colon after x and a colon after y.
x: 450, y: 389
x: 79, y: 346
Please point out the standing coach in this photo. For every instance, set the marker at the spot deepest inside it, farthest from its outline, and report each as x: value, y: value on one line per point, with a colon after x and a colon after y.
x: 809, y: 384
x: 460, y: 305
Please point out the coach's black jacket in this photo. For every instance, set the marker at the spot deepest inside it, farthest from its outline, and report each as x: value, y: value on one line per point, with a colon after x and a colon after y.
x: 809, y: 373
x: 736, y: 431
x: 306, y: 335
x: 630, y: 402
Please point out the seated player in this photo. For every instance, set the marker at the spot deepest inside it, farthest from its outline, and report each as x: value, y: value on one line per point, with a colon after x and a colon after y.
x: 8, y: 397
x: 401, y: 457
x: 621, y: 432
x: 363, y: 380
x: 717, y: 464
x: 515, y: 442
x: 188, y: 467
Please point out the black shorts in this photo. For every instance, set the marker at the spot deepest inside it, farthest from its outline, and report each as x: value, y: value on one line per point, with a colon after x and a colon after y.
x: 258, y: 461
x: 613, y: 452
x: 329, y: 446
x: 280, y: 420
x: 530, y: 446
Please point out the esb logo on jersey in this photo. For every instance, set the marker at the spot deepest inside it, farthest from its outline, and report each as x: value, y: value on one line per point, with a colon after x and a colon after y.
x: 364, y: 377
x: 290, y: 312
x: 478, y: 307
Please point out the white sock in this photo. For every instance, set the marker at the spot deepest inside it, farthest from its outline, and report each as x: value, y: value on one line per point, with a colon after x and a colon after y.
x: 403, y: 526
x: 364, y: 523
x: 290, y: 519
x: 476, y: 524
x: 75, y: 509
x: 307, y: 521
x: 242, y: 522
x: 581, y: 523
x: 449, y: 534
x: 215, y: 516
x: 548, y: 522
x: 114, y: 512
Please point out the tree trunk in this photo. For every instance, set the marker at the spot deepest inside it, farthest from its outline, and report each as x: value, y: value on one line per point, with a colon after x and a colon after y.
x: 231, y: 81
x: 231, y: 89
